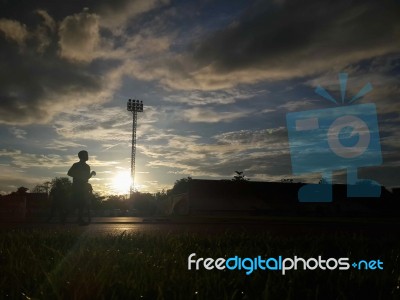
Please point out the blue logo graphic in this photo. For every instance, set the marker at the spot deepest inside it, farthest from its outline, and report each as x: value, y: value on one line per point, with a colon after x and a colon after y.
x: 325, y: 140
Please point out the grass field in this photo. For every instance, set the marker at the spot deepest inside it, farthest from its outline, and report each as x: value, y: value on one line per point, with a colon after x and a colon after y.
x: 67, y: 264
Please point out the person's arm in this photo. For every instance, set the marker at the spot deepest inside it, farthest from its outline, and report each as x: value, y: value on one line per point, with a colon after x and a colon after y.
x: 93, y: 173
x: 71, y: 171
x: 89, y: 174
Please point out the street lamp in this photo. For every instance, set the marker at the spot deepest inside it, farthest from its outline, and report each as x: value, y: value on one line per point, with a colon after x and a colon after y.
x: 134, y: 106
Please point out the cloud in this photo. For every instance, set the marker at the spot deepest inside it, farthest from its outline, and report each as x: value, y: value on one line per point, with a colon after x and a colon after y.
x: 208, y: 115
x: 26, y: 160
x: 18, y: 133
x: 254, y: 138
x: 116, y: 14
x: 19, y: 33
x: 281, y: 42
x: 42, y: 81
x: 380, y: 74
x: 62, y: 70
x: 14, y: 30
x: 198, y: 97
x: 266, y: 150
x: 63, y: 145
x: 297, y: 105
x: 95, y: 123
x: 267, y: 42
x: 35, y: 88
x: 145, y: 44
x: 271, y: 42
x: 11, y: 179
x: 261, y: 154
x: 29, y: 169
x: 79, y: 36
x: 47, y: 20
x: 44, y: 31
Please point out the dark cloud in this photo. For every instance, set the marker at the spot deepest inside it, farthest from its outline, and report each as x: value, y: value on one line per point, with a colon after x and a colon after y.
x: 34, y: 87
x: 54, y: 58
x: 45, y: 71
x: 287, y: 35
x: 25, y: 9
x: 274, y: 40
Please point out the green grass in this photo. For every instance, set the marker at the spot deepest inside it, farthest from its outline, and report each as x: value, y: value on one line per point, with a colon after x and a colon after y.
x: 284, y: 219
x: 68, y: 264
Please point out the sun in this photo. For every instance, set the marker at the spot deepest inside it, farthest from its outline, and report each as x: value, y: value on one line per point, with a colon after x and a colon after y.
x: 121, y: 183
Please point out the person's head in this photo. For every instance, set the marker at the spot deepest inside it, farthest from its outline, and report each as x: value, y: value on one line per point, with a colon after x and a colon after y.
x: 83, y: 155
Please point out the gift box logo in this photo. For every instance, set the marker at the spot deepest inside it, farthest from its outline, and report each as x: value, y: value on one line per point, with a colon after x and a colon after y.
x: 325, y: 140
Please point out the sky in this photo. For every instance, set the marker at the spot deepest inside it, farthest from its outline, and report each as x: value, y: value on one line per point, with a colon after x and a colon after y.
x: 217, y: 79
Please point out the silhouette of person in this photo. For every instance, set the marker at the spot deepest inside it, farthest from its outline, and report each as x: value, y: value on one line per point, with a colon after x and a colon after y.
x: 80, y: 173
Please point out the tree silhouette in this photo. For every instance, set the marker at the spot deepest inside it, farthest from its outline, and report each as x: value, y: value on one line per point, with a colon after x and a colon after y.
x: 287, y: 180
x: 60, y: 194
x: 181, y: 186
x: 239, y: 176
x: 22, y: 190
x: 42, y: 188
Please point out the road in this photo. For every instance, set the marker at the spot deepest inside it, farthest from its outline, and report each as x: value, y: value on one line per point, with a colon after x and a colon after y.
x: 118, y: 225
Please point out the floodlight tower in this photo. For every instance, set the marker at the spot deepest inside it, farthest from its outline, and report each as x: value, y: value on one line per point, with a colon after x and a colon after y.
x: 134, y: 106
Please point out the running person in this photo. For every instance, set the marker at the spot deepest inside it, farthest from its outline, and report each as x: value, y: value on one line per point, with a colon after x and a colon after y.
x: 80, y: 173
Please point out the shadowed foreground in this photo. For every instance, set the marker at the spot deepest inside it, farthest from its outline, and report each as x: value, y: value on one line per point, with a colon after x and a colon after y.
x: 56, y: 263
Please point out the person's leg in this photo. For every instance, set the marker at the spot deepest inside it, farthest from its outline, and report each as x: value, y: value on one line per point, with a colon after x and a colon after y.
x: 88, y: 210
x: 81, y: 207
x: 77, y: 202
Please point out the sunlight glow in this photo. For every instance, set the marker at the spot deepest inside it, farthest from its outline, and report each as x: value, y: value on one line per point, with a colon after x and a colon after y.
x: 121, y: 182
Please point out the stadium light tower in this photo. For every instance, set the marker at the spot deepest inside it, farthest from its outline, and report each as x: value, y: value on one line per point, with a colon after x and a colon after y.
x: 134, y: 106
